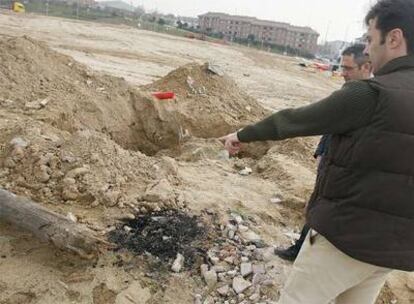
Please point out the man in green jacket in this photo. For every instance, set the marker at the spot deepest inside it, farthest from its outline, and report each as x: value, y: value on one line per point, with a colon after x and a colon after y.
x: 361, y: 213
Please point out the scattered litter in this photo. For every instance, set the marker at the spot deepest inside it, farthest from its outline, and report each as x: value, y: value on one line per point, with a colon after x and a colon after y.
x: 246, y: 171
x: 71, y: 217
x: 44, y: 102
x: 277, y: 199
x: 164, y: 95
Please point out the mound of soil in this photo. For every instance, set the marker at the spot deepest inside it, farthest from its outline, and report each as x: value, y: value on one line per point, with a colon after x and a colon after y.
x: 68, y: 134
x: 50, y: 87
x: 207, y: 104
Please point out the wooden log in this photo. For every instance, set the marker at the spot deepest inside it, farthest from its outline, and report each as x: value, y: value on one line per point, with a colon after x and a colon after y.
x: 48, y: 225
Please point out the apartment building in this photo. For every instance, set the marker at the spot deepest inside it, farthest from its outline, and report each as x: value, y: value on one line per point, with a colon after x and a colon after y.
x: 278, y: 33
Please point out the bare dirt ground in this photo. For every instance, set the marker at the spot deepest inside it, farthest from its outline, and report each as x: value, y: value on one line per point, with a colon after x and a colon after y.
x: 80, y: 133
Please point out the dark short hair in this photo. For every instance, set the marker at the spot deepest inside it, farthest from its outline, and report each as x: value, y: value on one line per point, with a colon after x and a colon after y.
x: 358, y: 51
x: 392, y: 14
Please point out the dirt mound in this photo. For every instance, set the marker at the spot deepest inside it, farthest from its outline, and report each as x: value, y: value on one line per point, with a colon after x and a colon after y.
x: 208, y: 104
x: 40, y: 83
x: 70, y: 134
x: 65, y: 133
x: 87, y: 168
x: 50, y: 87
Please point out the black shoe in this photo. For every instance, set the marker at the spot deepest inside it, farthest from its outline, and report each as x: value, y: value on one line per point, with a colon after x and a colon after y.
x: 288, y: 254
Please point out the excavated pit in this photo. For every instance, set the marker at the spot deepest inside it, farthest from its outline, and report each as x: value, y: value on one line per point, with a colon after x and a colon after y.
x: 70, y: 97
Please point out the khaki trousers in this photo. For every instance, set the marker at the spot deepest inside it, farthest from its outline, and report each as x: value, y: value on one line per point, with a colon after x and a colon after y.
x: 323, y: 274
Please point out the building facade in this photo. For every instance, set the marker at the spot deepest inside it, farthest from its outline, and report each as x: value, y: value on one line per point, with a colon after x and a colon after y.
x: 271, y: 32
x: 191, y: 22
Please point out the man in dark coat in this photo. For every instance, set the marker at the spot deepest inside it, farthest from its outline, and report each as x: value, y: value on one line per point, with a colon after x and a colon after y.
x: 361, y: 212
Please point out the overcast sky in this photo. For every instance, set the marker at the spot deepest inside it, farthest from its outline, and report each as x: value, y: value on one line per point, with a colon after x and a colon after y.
x: 339, y: 19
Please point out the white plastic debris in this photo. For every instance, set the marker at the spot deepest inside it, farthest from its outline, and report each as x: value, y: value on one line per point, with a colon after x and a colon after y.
x: 71, y: 217
x: 246, y: 171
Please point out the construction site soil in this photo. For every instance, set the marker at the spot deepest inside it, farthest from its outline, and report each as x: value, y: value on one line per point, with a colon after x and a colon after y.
x: 148, y: 174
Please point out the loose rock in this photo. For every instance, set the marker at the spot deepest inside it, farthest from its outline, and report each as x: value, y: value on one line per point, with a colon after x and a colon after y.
x: 178, y: 263
x: 259, y: 268
x: 203, y: 269
x: 246, y: 269
x: 74, y: 173
x: 254, y: 297
x: 224, y: 290
x: 210, y: 277
x: 239, y: 284
x: 198, y: 299
x: 249, y: 236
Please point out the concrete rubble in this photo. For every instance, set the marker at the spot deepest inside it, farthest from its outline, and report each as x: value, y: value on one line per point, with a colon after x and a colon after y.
x: 238, y: 271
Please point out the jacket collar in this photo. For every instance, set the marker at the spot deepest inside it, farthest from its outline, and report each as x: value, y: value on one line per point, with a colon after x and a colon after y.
x: 400, y: 63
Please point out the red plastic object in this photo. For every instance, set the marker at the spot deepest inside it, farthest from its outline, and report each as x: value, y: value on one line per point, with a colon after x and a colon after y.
x: 164, y: 95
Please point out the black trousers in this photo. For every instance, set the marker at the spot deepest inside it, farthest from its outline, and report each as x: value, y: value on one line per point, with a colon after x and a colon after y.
x: 298, y: 244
